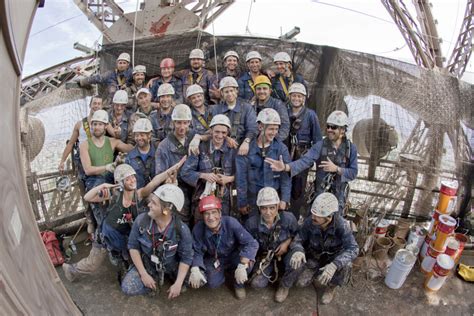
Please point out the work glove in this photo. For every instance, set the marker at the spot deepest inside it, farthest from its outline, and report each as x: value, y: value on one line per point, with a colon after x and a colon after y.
x: 194, y: 146
x: 327, y: 273
x: 241, y: 273
x: 297, y: 260
x: 110, y: 167
x: 196, y: 278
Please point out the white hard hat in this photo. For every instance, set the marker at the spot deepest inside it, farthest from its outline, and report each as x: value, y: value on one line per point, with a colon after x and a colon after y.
x: 171, y: 193
x: 231, y: 53
x: 282, y: 56
x: 253, y: 55
x: 269, y: 116
x: 228, y: 82
x: 338, y: 118
x: 193, y: 89
x: 267, y: 196
x: 165, y: 89
x: 181, y: 112
x: 143, y: 90
x: 120, y: 97
x: 196, y: 53
x: 100, y: 116
x: 142, y: 125
x: 220, y: 119
x: 124, y: 56
x: 139, y: 68
x: 297, y: 87
x: 122, y: 172
x: 324, y: 205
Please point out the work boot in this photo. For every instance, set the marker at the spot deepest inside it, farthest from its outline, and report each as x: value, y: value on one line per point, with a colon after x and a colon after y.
x: 68, y: 272
x: 281, y: 294
x: 328, y: 294
x: 240, y: 293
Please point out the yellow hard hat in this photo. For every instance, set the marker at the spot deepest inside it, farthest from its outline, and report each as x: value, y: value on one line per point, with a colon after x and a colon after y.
x: 262, y: 80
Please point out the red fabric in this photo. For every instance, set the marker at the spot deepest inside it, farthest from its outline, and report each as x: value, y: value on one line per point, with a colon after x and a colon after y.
x: 52, y: 246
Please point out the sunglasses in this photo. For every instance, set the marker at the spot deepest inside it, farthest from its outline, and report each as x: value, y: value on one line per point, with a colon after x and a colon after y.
x: 333, y: 127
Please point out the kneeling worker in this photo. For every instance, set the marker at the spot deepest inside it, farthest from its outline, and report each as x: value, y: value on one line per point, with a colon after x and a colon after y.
x: 274, y: 232
x: 328, y: 241
x: 221, y: 244
x: 160, y: 244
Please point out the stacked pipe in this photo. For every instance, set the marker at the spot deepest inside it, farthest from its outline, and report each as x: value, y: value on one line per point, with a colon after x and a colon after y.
x: 441, y: 248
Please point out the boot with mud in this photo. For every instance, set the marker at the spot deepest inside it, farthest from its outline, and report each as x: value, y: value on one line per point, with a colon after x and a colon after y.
x: 328, y: 294
x: 281, y: 294
x: 69, y: 272
x: 240, y: 293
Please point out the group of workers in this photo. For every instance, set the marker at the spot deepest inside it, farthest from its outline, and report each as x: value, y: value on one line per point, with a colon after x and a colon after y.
x: 196, y: 178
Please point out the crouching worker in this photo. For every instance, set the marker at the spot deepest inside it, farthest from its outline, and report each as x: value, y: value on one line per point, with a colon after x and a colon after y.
x: 160, y: 245
x: 329, y: 245
x: 221, y: 244
x: 274, y: 232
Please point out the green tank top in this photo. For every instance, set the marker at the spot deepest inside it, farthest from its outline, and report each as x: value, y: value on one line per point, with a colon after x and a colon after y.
x: 100, y: 156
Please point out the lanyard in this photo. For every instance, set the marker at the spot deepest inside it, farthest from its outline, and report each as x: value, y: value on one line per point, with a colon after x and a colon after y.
x: 161, y: 240
x: 198, y: 79
x: 217, y: 245
x: 283, y: 84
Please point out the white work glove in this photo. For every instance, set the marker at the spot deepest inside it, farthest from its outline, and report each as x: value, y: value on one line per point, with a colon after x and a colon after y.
x: 208, y: 189
x: 110, y: 167
x: 194, y: 146
x: 241, y: 273
x: 196, y: 278
x: 297, y: 260
x: 327, y: 273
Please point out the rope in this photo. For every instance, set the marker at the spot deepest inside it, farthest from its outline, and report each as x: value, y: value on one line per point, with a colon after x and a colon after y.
x: 134, y: 32
x: 215, y: 51
x: 247, y: 31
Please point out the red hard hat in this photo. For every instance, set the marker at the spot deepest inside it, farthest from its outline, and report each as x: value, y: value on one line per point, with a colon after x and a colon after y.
x: 167, y: 63
x: 209, y: 203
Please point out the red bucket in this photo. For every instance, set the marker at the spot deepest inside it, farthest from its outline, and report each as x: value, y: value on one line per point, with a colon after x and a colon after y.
x: 446, y: 224
x: 443, y: 265
x: 449, y: 188
x: 462, y: 242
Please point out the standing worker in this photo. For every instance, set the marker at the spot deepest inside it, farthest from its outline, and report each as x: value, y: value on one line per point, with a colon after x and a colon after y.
x: 335, y: 157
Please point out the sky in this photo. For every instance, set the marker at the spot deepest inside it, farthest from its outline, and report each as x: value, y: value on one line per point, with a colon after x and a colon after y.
x: 360, y: 25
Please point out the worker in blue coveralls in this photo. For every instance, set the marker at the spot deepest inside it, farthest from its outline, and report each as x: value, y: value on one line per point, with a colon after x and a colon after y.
x: 199, y: 109
x: 167, y: 75
x: 138, y: 83
x: 144, y: 110
x: 197, y: 74
x: 240, y: 113
x: 119, y: 117
x: 160, y: 245
x: 114, y: 80
x: 252, y: 174
x: 221, y: 244
x: 211, y: 172
x: 323, y: 250
x: 284, y: 77
x: 274, y: 232
x: 304, y: 133
x: 335, y: 157
x: 264, y: 100
x: 246, y: 81
x: 173, y: 148
x: 161, y: 118
x: 231, y: 69
x: 142, y: 156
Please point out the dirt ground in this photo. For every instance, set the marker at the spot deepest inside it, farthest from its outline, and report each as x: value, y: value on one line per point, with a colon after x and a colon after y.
x: 99, y: 294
